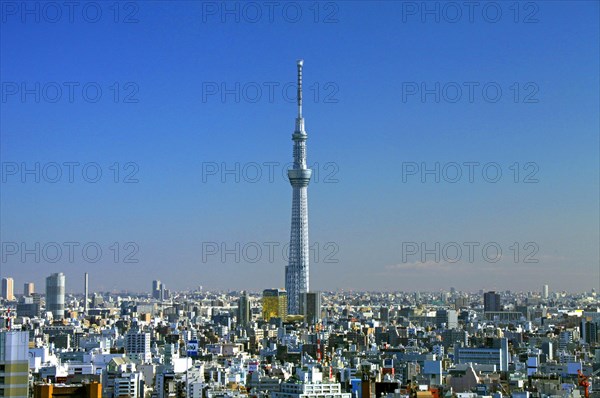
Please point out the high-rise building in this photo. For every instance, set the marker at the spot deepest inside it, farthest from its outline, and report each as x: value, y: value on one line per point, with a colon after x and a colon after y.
x: 8, y: 292
x: 548, y: 350
x: 137, y: 345
x: 589, y: 332
x: 55, y: 295
x: 461, y: 302
x: 446, y: 318
x: 275, y: 304
x: 384, y: 314
x: 296, y: 272
x: 545, y: 292
x: 243, y: 316
x: 310, y: 307
x: 157, y: 290
x: 127, y: 385
x: 97, y: 300
x: 14, y: 364
x: 491, y: 302
x: 28, y: 289
x: 564, y: 339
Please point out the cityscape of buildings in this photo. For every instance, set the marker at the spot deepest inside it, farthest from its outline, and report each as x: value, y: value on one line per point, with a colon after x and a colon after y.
x: 339, y: 345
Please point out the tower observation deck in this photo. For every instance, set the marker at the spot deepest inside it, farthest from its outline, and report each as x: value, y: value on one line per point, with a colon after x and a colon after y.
x: 296, y: 272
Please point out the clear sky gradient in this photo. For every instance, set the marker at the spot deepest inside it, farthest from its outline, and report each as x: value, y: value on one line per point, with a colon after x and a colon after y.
x: 165, y: 121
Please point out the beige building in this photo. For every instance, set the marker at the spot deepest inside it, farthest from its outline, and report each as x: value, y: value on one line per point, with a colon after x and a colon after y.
x: 14, y: 364
x: 8, y: 289
x: 28, y: 289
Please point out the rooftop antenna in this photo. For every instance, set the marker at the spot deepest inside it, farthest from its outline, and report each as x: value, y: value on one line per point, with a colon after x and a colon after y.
x: 300, y: 63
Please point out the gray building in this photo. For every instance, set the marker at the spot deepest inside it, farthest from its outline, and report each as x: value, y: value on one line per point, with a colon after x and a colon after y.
x: 243, y: 314
x: 55, y: 295
x: 447, y: 318
x: 496, y: 355
x: 28, y: 306
x: 310, y: 307
x: 157, y: 290
x: 589, y: 332
x: 491, y: 302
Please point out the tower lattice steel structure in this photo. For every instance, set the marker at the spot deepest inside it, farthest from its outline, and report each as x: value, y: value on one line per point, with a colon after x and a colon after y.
x: 296, y: 272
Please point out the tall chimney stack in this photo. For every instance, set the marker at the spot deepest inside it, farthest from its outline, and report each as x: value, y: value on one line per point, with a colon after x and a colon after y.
x: 85, y: 293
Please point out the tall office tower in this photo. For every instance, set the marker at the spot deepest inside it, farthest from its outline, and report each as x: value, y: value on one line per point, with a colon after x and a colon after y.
x: 310, y: 307
x: 97, y: 300
x: 296, y: 272
x: 446, y: 318
x: 8, y: 292
x: 157, y: 288
x: 55, y: 295
x: 137, y: 345
x: 461, y: 302
x: 545, y: 292
x: 491, y: 302
x: 384, y: 314
x: 28, y: 289
x: 547, y: 349
x: 565, y: 338
x: 275, y: 304
x: 14, y: 364
x: 85, y: 293
x: 589, y: 332
x: 243, y: 309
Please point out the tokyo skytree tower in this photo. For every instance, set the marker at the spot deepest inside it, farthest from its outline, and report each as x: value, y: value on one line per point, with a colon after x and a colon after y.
x: 296, y: 272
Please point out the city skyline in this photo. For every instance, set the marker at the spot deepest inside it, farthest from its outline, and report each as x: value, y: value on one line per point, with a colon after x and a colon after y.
x: 491, y: 298
x: 77, y: 286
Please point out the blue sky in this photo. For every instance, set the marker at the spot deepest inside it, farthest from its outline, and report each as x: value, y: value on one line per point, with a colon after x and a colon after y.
x: 158, y: 122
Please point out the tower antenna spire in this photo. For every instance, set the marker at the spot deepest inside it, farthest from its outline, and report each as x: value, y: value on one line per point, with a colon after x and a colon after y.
x: 300, y: 63
x: 296, y: 272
